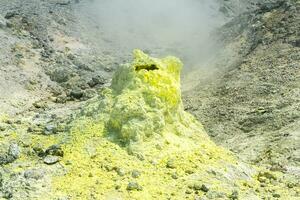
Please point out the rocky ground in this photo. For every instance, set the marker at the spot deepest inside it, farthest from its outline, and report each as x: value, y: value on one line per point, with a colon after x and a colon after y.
x: 252, y: 105
x: 247, y: 99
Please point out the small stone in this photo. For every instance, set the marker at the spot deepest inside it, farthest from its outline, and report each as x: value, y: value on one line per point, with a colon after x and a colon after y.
x: 108, y: 168
x: 117, y: 186
x: 134, y: 186
x: 1, y: 180
x: 61, y: 98
x: 9, y: 24
x: 276, y: 195
x: 188, y: 191
x: 191, y: 185
x: 54, y: 150
x: 70, y: 56
x: 39, y: 151
x: 98, y: 80
x: 291, y: 185
x: 263, y: 185
x: 2, y: 127
x: 262, y: 179
x: 63, y: 2
x: 50, y: 129
x: 33, y: 174
x: 60, y: 75
x: 201, y: 198
x: 89, y: 93
x: 140, y: 157
x: 39, y: 104
x: 268, y: 175
x: 30, y: 129
x: 76, y: 93
x: 11, y: 155
x: 201, y: 187
x: 154, y: 162
x: 189, y: 171
x: 10, y: 14
x: 9, y: 121
x: 14, y: 151
x: 2, y: 22
x: 170, y: 164
x: 50, y: 160
x: 174, y: 176
x: 18, y: 121
x: 215, y: 195
x: 135, y: 173
x: 68, y: 162
x: 158, y: 146
x: 7, y: 195
x: 108, y: 69
x: 234, y: 195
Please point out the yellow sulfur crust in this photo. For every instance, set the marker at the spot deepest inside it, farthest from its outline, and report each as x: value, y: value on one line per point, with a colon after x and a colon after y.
x: 139, y: 124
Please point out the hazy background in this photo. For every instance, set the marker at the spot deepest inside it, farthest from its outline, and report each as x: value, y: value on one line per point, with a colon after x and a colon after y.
x: 160, y: 27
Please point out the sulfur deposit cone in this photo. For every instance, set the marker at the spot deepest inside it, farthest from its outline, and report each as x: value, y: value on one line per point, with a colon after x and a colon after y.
x: 135, y: 141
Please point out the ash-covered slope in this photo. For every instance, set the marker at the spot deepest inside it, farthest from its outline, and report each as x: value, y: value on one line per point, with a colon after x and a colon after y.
x: 251, y: 104
x: 44, y: 60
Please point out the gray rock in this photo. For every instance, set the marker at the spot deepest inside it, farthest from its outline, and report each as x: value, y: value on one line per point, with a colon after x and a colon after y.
x: 134, y: 186
x: 174, y: 175
x: 34, y: 174
x: 54, y: 150
x: 63, y: 2
x: 2, y: 22
x: 50, y: 129
x: 170, y: 164
x: 199, y: 186
x: 11, y: 155
x: 10, y: 14
x: 77, y: 93
x: 204, y: 188
x: 40, y: 104
x: 89, y: 93
x: 14, y: 151
x: 60, y: 75
x: 39, y: 151
x: 135, y: 173
x: 1, y: 180
x: 7, y: 195
x: 2, y: 127
x: 215, y: 195
x: 50, y: 160
x: 120, y: 171
x: 189, y: 191
x: 276, y: 195
x: 117, y: 186
x: 97, y: 80
x: 61, y: 98
x: 234, y: 195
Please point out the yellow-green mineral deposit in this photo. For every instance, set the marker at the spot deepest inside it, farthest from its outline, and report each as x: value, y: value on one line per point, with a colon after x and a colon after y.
x: 135, y: 141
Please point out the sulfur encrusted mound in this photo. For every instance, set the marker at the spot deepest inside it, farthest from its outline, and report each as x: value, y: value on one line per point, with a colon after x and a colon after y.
x: 147, y: 98
x: 135, y: 141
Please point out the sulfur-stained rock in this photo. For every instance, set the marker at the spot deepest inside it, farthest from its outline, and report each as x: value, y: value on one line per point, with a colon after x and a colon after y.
x: 34, y: 174
x: 134, y: 186
x: 50, y: 160
x: 135, y: 173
